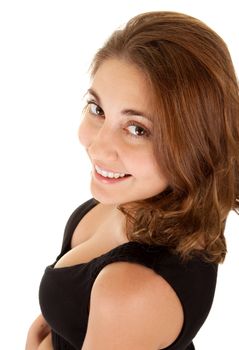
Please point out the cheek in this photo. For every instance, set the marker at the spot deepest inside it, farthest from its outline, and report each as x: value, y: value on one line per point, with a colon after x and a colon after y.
x: 147, y: 166
x: 139, y: 161
x: 84, y: 134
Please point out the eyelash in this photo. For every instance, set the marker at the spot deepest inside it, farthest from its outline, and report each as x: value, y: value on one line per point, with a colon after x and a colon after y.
x: 130, y: 123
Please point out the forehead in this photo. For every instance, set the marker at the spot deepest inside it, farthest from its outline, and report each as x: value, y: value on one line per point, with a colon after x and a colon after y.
x: 119, y: 79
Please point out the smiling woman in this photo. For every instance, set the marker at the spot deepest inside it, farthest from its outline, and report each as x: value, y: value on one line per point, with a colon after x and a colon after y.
x: 138, y: 265
x: 117, y: 137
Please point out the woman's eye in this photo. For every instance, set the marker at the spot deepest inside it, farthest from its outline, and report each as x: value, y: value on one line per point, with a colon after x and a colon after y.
x: 137, y: 130
x: 134, y: 129
x: 94, y: 108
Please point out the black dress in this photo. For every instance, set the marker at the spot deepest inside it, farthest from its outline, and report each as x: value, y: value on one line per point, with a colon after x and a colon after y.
x: 64, y: 293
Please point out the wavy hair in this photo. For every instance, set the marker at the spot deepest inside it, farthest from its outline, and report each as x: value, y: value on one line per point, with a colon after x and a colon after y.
x: 196, y: 131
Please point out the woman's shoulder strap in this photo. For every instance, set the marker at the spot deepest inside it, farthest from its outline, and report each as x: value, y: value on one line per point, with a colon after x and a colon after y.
x: 73, y: 221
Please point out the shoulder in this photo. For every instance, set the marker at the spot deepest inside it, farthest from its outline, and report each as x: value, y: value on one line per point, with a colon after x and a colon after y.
x: 132, y: 307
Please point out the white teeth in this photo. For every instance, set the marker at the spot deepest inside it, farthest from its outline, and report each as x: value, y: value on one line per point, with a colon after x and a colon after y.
x: 108, y: 174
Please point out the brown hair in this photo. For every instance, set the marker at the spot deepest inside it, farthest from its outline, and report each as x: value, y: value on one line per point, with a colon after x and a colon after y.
x: 196, y: 131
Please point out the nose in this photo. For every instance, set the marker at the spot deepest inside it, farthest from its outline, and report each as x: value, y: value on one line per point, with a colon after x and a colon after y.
x: 103, y: 145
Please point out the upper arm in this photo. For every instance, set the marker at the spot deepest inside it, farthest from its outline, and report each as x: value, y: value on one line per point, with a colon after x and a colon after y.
x: 132, y: 307
x: 37, y: 332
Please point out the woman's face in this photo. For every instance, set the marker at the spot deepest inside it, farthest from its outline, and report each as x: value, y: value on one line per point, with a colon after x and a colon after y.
x: 116, y: 132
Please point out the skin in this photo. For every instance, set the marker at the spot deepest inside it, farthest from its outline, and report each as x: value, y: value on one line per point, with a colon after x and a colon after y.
x: 112, y: 143
x: 39, y: 337
x: 132, y: 307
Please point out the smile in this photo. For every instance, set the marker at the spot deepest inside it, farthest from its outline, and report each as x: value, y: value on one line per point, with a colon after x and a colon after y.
x: 108, y: 174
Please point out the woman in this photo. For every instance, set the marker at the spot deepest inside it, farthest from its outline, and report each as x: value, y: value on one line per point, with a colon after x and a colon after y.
x: 138, y: 265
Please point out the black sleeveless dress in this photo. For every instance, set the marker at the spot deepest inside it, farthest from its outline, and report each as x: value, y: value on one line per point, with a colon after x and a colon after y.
x: 64, y: 293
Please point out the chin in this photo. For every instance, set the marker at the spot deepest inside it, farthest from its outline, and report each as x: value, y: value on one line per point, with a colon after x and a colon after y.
x: 102, y: 198
x: 108, y: 200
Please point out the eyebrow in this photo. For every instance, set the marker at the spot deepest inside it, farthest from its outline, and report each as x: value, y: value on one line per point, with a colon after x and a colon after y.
x: 126, y: 112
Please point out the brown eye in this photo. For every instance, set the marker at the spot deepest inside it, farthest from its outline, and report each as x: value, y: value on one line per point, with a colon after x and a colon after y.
x: 95, y: 109
x: 137, y: 130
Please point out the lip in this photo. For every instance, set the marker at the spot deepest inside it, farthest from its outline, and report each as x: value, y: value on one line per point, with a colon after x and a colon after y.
x: 108, y: 180
x: 109, y: 171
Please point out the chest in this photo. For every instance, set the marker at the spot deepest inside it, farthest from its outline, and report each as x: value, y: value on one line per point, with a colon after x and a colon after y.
x: 97, y: 233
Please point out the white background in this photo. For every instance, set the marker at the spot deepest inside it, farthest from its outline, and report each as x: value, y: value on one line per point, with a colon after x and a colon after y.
x: 45, y: 50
